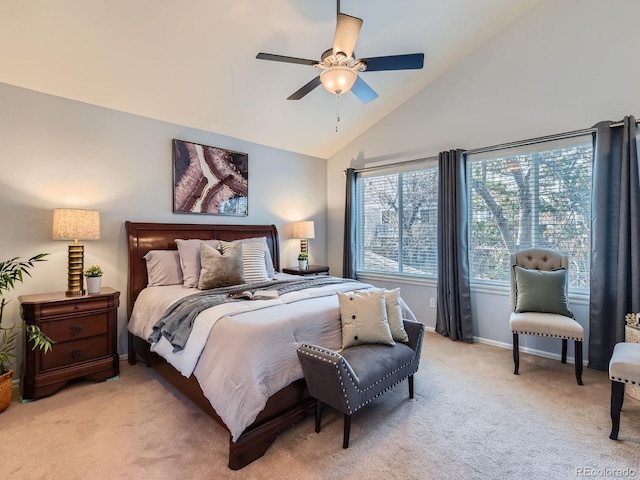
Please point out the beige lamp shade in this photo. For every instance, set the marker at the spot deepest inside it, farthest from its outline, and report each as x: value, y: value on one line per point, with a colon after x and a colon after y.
x: 303, y: 230
x: 76, y: 224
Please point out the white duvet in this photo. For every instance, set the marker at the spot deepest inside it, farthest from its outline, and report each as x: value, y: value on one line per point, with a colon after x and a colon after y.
x: 244, y: 352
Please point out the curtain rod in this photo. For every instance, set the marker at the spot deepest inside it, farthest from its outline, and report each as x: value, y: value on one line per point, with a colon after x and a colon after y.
x: 520, y: 143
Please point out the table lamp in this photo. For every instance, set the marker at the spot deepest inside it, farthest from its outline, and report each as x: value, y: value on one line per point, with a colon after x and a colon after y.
x: 303, y: 231
x: 75, y: 224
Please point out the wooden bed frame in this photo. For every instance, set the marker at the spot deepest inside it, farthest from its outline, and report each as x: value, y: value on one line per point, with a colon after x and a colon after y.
x: 285, y: 408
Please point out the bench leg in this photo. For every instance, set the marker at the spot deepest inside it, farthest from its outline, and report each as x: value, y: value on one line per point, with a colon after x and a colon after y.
x: 617, y: 396
x: 578, y: 360
x: 516, y: 354
x: 564, y: 350
x: 347, y: 429
x: 410, y: 386
x: 318, y: 415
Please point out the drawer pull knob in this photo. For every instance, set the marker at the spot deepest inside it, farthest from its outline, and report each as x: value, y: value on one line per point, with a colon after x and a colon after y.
x: 77, y: 306
x: 75, y: 331
x: 76, y: 354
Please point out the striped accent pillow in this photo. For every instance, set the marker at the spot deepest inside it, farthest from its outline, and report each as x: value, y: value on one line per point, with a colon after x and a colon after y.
x: 253, y: 263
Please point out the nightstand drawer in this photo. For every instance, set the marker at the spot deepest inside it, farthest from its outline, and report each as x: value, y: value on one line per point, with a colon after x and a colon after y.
x: 76, y: 328
x: 70, y: 353
x: 66, y: 308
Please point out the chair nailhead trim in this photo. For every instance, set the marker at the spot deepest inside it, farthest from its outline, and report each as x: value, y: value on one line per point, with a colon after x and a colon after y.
x: 519, y: 332
x: 623, y: 380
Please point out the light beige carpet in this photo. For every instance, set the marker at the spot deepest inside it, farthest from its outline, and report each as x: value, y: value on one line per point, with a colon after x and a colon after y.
x: 471, y: 418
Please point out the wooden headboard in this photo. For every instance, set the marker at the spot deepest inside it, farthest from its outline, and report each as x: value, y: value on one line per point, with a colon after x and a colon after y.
x: 143, y: 237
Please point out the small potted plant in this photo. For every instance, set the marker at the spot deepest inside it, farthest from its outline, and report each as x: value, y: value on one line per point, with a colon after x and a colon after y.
x: 94, y: 279
x: 303, y: 259
x: 12, y: 271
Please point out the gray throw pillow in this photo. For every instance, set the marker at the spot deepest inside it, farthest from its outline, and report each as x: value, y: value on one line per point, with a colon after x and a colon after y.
x: 541, y: 291
x: 218, y: 269
x: 364, y: 318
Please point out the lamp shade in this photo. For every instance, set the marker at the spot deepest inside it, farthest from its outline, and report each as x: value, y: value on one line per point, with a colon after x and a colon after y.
x: 303, y: 230
x: 76, y: 224
x: 338, y: 79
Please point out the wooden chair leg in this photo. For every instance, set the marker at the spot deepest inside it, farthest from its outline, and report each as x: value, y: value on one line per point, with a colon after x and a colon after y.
x: 617, y: 397
x: 318, y: 415
x: 564, y: 350
x: 516, y: 354
x: 410, y: 386
x: 347, y: 429
x: 578, y: 361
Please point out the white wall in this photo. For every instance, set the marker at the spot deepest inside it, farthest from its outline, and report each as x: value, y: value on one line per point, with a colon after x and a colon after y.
x: 564, y: 66
x: 61, y: 153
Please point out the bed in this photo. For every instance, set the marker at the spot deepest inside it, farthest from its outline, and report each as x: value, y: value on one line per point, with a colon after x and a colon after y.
x: 283, y: 409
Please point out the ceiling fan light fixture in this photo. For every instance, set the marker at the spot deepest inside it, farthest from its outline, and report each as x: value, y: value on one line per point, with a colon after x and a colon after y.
x: 338, y: 79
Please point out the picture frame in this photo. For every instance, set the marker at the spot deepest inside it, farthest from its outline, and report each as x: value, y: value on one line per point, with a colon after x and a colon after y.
x: 209, y: 180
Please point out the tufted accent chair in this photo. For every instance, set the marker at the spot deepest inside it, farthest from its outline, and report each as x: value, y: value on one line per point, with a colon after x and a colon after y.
x: 349, y: 380
x: 624, y: 367
x: 539, y: 323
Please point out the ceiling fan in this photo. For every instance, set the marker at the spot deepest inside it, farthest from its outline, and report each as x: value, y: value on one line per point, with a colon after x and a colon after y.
x: 340, y: 67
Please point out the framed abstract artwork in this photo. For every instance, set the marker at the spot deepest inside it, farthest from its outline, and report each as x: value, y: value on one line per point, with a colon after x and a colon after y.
x: 209, y: 179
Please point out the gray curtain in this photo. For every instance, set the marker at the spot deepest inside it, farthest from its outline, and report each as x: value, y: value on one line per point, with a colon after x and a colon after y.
x: 349, y: 248
x: 453, y: 315
x: 615, y: 238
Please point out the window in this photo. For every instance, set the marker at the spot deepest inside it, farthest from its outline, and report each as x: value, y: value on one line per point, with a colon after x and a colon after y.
x: 397, y: 215
x: 534, y: 196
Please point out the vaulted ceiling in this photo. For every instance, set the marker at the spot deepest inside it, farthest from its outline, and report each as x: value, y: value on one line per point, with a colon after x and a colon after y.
x: 193, y: 62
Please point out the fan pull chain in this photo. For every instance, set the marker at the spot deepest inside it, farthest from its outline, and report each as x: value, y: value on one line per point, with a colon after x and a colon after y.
x: 337, y: 111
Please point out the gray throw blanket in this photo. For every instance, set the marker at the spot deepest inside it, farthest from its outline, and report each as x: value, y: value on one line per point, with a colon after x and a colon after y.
x: 177, y: 322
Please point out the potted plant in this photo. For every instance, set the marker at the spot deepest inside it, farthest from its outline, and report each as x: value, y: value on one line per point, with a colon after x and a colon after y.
x: 94, y: 279
x: 12, y: 271
x: 303, y: 259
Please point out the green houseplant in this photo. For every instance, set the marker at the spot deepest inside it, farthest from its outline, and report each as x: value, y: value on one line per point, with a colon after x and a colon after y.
x: 93, y: 271
x: 12, y: 271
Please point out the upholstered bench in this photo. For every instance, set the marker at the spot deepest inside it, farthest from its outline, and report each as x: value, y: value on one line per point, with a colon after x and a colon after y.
x: 624, y: 367
x: 349, y: 380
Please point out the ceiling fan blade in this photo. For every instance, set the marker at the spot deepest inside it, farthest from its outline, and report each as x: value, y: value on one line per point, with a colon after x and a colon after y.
x: 282, y: 58
x: 305, y: 89
x: 347, y: 31
x: 363, y: 91
x: 411, y: 61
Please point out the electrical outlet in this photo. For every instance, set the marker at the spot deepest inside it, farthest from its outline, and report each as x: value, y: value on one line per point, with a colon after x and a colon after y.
x: 432, y: 302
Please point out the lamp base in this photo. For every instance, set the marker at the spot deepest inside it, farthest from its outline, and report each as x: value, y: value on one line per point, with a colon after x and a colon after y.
x: 75, y: 284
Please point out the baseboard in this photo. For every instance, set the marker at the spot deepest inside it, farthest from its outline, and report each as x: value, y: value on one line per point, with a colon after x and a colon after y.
x: 509, y: 346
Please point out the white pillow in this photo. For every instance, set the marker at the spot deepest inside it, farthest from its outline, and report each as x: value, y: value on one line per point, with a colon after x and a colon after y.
x: 253, y: 262
x: 163, y: 268
x: 268, y: 261
x: 394, y: 314
x: 189, y: 251
x: 364, y: 318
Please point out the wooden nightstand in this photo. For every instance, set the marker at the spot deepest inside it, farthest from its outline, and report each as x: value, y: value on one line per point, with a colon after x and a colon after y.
x: 85, y: 331
x: 312, y: 270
